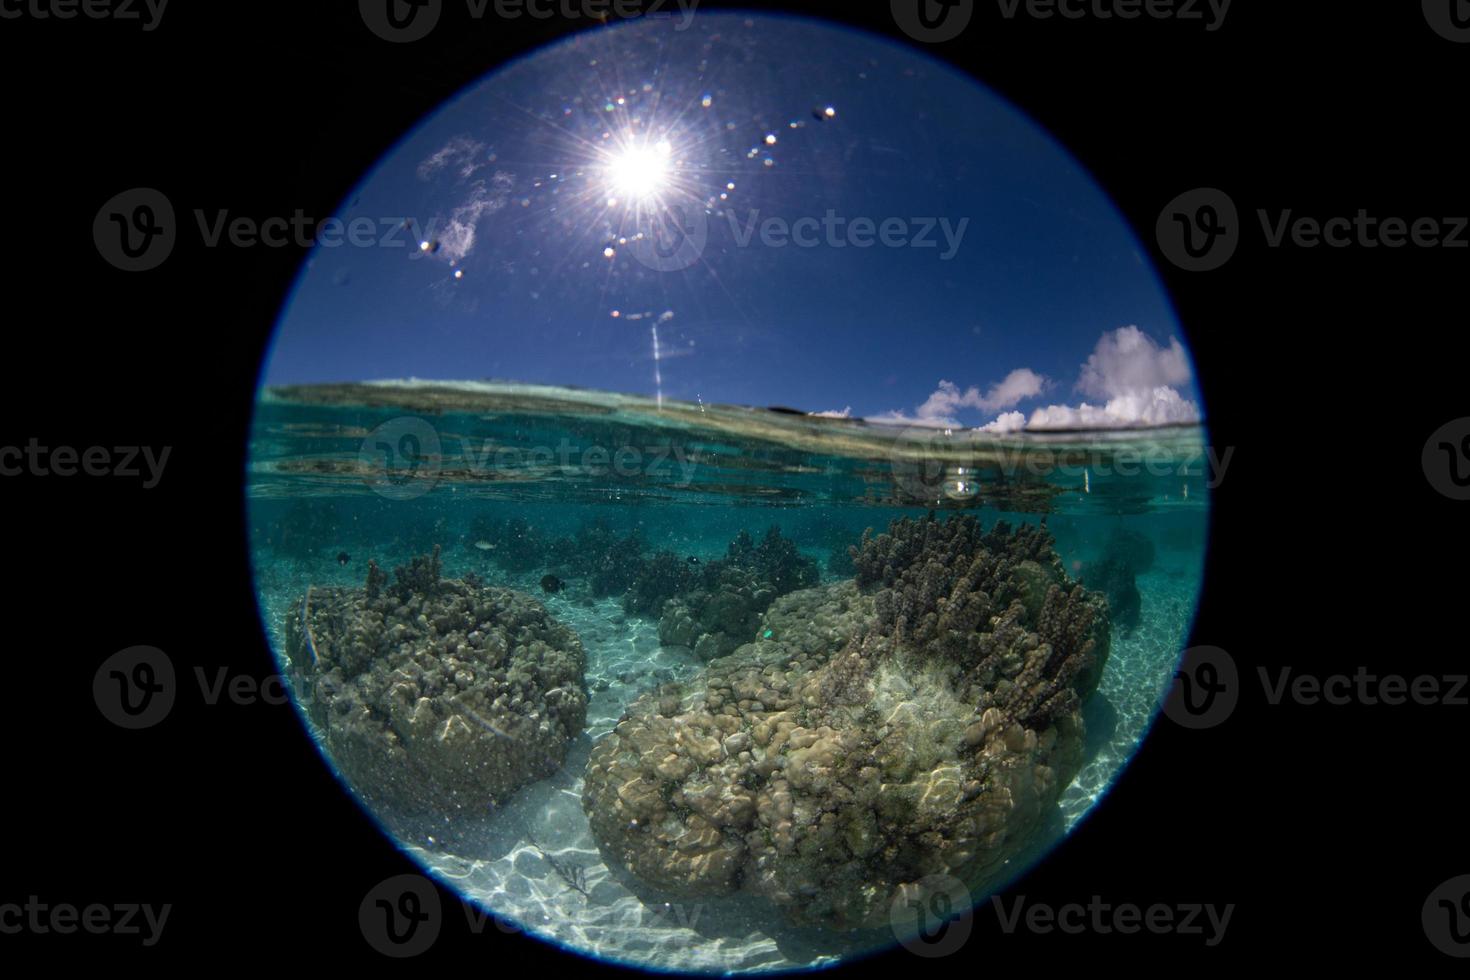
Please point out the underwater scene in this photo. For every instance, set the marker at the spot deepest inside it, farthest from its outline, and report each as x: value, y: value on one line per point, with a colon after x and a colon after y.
x: 707, y: 688
x: 742, y: 507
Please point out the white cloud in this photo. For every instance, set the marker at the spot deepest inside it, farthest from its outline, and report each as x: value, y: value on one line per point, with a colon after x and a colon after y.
x: 1020, y: 384
x: 846, y: 413
x: 457, y: 236
x: 461, y: 153
x: 1127, y: 361
x: 1130, y: 378
x: 1134, y: 378
x: 1006, y: 423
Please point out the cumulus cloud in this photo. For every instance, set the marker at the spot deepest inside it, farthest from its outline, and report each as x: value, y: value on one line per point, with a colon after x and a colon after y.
x: 1128, y: 361
x: 1020, y: 384
x: 1007, y: 422
x: 846, y: 413
x: 1134, y: 378
x: 1130, y: 379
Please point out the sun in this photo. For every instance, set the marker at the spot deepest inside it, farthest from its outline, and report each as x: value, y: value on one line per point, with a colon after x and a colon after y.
x: 639, y: 173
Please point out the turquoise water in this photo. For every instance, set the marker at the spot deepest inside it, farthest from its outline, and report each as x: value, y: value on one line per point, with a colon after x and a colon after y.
x: 524, y: 488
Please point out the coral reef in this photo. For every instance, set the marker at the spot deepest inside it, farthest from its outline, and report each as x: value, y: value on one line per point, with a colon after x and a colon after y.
x: 609, y: 561
x: 435, y: 695
x: 920, y: 719
x: 657, y: 580
x: 724, y: 609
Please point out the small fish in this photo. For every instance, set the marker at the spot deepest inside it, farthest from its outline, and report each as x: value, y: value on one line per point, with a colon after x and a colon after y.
x: 343, y: 558
x: 484, y: 546
x: 692, y: 560
x: 550, y: 583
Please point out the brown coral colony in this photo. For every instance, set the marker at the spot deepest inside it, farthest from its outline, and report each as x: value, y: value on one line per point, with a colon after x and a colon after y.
x: 841, y: 743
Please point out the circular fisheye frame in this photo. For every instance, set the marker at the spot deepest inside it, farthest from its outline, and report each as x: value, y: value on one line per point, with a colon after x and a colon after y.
x: 756, y: 517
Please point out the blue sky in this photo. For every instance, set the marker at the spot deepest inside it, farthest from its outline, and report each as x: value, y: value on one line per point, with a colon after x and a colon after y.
x: 844, y: 225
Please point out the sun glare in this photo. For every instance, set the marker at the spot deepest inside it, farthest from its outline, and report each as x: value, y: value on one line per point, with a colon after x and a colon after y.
x: 639, y: 173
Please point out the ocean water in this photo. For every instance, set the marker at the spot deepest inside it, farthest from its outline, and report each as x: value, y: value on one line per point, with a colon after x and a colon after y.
x: 564, y: 496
